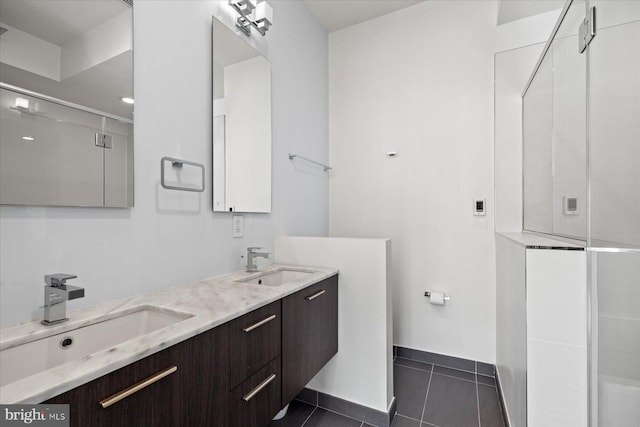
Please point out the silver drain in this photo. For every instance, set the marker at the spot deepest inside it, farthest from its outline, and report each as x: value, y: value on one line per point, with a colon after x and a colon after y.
x: 66, y: 342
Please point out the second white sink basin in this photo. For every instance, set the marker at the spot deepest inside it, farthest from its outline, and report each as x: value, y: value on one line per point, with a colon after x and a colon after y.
x: 37, y: 356
x: 279, y: 277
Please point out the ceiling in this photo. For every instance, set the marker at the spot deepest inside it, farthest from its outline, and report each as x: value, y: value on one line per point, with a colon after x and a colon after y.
x: 58, y: 21
x: 512, y: 10
x: 335, y: 15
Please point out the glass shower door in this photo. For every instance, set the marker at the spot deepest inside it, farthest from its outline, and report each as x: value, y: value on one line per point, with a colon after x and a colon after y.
x: 554, y: 136
x: 613, y: 88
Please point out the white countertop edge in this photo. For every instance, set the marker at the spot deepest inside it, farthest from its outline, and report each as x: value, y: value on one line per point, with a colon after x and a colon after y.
x: 211, y: 301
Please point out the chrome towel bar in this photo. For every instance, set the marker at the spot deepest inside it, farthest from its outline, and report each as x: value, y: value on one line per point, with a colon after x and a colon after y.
x: 325, y: 167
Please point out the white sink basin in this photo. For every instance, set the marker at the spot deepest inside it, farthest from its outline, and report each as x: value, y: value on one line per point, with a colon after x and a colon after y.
x: 37, y: 356
x: 279, y: 277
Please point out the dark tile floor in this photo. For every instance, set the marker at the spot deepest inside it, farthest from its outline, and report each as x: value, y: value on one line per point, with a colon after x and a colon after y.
x: 427, y: 395
x: 432, y: 395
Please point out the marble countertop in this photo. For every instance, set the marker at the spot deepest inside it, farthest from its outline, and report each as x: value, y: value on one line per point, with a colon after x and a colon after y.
x: 211, y: 302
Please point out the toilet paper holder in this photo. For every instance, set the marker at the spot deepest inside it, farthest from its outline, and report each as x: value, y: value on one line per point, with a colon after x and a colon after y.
x: 428, y: 294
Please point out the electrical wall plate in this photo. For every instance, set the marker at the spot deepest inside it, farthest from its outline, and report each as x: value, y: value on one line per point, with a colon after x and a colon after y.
x: 570, y: 205
x: 479, y: 207
x: 238, y: 226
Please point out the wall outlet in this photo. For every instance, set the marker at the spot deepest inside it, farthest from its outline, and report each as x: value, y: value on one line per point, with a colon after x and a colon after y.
x: 238, y: 226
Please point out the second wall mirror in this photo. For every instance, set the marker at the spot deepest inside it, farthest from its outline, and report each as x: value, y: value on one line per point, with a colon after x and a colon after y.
x: 241, y: 125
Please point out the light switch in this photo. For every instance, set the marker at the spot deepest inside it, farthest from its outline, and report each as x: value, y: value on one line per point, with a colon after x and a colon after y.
x: 479, y: 207
x: 570, y: 205
x: 238, y: 226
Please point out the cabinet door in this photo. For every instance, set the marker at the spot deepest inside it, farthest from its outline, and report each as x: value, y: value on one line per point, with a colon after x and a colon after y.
x: 309, y: 334
x: 191, y: 396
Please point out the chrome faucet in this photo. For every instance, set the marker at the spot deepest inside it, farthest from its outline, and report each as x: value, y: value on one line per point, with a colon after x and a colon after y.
x: 252, y: 254
x: 56, y: 295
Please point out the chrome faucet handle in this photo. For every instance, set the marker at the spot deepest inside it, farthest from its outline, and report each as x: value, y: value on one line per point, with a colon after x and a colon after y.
x: 58, y: 279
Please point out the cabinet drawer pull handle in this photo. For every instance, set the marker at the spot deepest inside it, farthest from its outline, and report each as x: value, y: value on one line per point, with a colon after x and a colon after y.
x: 316, y: 295
x: 260, y: 323
x: 115, y: 398
x: 260, y: 386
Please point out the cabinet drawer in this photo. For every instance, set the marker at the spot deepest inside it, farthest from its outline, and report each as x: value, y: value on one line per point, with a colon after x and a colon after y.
x: 185, y: 397
x: 254, y: 340
x: 152, y: 404
x: 257, y: 400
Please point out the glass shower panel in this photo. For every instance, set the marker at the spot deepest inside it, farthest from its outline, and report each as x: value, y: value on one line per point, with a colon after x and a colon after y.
x: 614, y: 125
x: 569, y: 201
x: 537, y: 150
x: 617, y: 339
x: 614, y: 229
x: 554, y: 135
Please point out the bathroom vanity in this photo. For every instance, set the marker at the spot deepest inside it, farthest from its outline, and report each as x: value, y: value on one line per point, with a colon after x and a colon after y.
x: 240, y: 372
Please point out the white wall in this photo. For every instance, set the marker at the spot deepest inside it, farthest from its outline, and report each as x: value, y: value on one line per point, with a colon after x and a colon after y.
x: 420, y: 82
x: 172, y: 237
x: 362, y: 371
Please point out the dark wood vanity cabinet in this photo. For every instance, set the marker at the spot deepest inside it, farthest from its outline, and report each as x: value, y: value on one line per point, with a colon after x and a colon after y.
x: 309, y: 334
x: 191, y: 396
x: 239, y: 374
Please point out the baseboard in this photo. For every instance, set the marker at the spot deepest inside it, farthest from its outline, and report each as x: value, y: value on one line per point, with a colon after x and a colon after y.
x: 349, y: 409
x: 473, y: 366
x: 503, y: 406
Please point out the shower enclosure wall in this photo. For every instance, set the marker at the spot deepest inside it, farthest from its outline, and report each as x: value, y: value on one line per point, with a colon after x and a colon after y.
x: 581, y: 177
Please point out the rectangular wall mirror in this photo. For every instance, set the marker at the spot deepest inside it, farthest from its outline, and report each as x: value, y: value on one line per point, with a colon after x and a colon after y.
x: 241, y: 125
x: 66, y: 93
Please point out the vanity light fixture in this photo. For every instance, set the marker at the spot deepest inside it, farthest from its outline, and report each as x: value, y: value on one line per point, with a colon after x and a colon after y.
x: 126, y: 99
x: 243, y: 7
x: 28, y: 138
x: 253, y: 13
